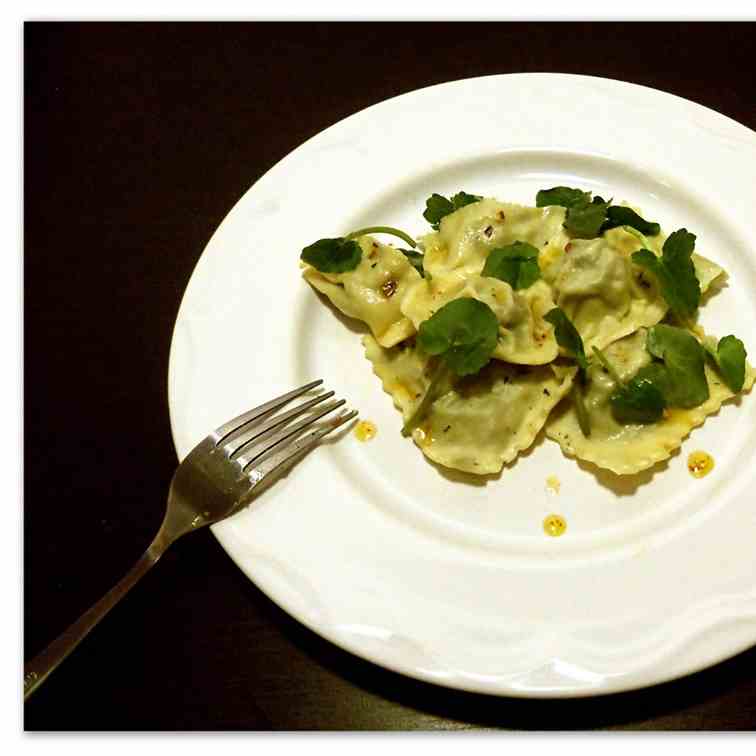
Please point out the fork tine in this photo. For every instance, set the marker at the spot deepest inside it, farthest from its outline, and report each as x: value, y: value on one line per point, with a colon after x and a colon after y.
x: 234, y: 446
x: 300, y: 446
x: 247, y: 417
x: 270, y: 442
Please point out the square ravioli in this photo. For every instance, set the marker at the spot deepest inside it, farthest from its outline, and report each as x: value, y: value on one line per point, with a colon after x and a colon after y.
x: 485, y: 420
x: 630, y: 448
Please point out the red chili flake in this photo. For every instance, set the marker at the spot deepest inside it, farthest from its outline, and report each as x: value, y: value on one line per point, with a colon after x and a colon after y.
x: 488, y: 231
x: 568, y: 247
x: 388, y: 288
x: 500, y: 215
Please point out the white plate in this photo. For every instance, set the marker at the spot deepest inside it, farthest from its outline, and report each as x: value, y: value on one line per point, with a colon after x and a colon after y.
x: 373, y: 547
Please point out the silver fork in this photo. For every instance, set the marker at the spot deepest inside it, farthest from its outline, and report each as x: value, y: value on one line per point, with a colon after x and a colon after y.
x: 215, y: 480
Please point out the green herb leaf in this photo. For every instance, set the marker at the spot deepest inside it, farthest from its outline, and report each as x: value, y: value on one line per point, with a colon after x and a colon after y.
x: 675, y: 273
x: 584, y: 220
x: 678, y: 381
x: 617, y: 215
x: 438, y: 207
x: 567, y: 336
x: 588, y: 218
x: 564, y: 196
x: 415, y: 259
x: 333, y: 255
x: 517, y: 264
x: 463, y: 332
x: 645, y: 258
x: 639, y: 401
x: 729, y: 355
x: 676, y: 256
x: 685, y: 384
x: 657, y: 373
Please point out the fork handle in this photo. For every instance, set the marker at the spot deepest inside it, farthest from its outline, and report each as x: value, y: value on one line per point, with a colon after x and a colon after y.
x: 37, y: 670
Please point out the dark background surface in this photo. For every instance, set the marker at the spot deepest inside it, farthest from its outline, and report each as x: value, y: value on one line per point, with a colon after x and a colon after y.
x: 139, y: 138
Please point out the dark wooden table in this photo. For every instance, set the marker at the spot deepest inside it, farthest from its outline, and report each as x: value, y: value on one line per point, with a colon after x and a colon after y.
x: 139, y: 138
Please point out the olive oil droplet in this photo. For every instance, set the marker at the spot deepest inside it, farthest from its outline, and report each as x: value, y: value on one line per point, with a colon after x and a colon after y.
x: 553, y: 484
x: 365, y: 430
x: 554, y: 525
x: 700, y: 464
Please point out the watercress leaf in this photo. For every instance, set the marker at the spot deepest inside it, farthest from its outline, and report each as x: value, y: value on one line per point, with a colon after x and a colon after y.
x: 676, y: 256
x: 438, y: 207
x: 675, y: 272
x: 617, y: 215
x: 463, y: 332
x: 337, y: 255
x: 585, y: 219
x: 415, y: 259
x: 517, y: 264
x: 585, y: 216
x: 461, y: 199
x: 567, y: 336
x: 563, y: 196
x: 729, y: 355
x: 641, y: 400
x: 683, y: 358
x: 658, y: 374
x: 678, y: 381
x: 638, y: 402
x: 646, y: 259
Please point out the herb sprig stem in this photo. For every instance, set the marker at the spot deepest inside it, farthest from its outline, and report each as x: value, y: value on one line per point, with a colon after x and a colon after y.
x: 441, y: 377
x: 580, y: 409
x: 609, y: 367
x: 638, y: 235
x: 383, y: 230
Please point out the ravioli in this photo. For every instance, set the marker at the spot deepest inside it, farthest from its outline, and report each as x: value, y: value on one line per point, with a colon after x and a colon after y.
x: 482, y: 421
x: 604, y: 294
x: 708, y: 272
x: 486, y: 420
x: 373, y: 291
x: 466, y: 237
x: 628, y: 241
x: 525, y: 338
x: 627, y: 449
